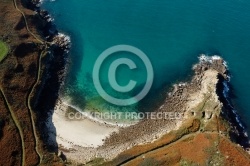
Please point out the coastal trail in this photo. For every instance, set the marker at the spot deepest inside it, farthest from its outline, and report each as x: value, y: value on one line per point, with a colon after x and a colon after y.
x: 29, y: 104
x: 26, y: 23
x: 38, y: 76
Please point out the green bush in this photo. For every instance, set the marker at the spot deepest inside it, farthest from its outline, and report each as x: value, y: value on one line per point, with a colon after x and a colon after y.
x: 3, y: 50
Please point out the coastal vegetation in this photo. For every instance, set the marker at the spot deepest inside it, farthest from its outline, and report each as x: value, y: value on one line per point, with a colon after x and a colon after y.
x: 3, y: 50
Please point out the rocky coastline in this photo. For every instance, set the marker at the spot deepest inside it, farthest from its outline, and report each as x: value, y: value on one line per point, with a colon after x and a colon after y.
x: 206, y: 87
x: 55, y: 69
x: 204, y: 99
x: 237, y: 131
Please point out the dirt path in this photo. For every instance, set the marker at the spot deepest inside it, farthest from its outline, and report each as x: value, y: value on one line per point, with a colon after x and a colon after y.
x: 35, y: 84
x: 26, y: 23
x: 20, y: 130
x: 30, y: 107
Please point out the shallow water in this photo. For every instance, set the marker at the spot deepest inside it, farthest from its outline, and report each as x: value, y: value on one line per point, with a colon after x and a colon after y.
x: 171, y: 33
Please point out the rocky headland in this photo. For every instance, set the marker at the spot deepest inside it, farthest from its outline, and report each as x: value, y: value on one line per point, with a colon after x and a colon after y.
x: 205, y: 124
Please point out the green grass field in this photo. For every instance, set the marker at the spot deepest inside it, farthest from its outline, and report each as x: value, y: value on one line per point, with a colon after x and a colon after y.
x: 3, y: 50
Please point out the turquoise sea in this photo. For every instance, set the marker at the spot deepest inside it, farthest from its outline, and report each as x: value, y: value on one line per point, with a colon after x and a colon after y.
x: 171, y: 33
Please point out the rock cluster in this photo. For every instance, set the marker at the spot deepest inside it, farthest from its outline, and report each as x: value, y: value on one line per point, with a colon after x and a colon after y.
x: 62, y: 41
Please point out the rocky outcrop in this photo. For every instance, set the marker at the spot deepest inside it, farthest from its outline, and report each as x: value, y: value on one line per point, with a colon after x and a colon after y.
x: 197, y: 108
x: 200, y: 100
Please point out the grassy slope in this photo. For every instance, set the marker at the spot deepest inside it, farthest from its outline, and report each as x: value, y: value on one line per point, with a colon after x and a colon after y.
x: 3, y: 50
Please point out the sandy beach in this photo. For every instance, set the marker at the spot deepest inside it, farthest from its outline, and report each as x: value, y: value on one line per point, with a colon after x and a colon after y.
x: 82, y: 132
x: 83, y: 139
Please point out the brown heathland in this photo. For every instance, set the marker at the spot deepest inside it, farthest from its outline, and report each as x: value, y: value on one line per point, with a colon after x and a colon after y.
x: 19, y: 142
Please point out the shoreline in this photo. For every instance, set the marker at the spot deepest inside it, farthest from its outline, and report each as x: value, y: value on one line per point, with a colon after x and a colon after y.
x: 87, y: 114
x: 238, y: 131
x: 97, y: 143
x: 84, y: 132
x: 157, y: 132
